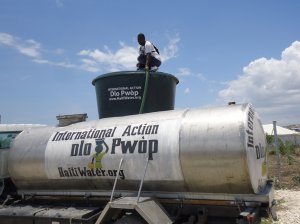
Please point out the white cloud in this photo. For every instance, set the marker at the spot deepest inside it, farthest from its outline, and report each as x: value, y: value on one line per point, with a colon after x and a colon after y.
x: 59, y: 64
x: 272, y: 85
x: 6, y: 39
x: 170, y: 51
x: 124, y: 58
x: 32, y: 49
x: 58, y: 51
x: 184, y: 72
x: 29, y: 48
x: 89, y: 65
x: 187, y: 90
x: 201, y: 77
x: 59, y: 3
x: 41, y: 61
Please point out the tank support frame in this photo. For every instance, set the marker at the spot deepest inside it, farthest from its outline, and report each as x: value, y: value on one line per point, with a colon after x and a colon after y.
x: 148, y: 208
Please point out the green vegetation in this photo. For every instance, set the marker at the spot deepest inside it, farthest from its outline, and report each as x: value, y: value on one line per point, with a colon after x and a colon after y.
x: 266, y: 221
x: 285, y: 148
x: 269, y: 220
x: 296, y: 180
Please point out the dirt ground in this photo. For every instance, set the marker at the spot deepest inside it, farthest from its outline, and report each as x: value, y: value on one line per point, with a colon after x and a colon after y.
x: 286, y: 176
x: 288, y: 207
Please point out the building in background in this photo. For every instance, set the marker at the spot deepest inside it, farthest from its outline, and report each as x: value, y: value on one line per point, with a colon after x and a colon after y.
x: 283, y: 133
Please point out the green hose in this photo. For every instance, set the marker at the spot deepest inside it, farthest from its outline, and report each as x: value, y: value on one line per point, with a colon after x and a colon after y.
x: 145, y: 92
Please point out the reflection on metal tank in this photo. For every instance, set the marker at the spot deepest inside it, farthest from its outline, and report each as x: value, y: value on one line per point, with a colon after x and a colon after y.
x: 215, y: 150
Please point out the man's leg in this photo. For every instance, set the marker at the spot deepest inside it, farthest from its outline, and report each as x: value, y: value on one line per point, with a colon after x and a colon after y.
x: 154, y: 64
x: 141, y: 61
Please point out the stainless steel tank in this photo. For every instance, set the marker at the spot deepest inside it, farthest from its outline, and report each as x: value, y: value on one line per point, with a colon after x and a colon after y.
x: 213, y: 150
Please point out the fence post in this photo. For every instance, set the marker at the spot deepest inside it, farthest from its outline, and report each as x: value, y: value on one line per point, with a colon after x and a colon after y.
x: 277, y: 151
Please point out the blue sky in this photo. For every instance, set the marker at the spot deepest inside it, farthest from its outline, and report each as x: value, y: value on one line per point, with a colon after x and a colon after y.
x: 243, y: 51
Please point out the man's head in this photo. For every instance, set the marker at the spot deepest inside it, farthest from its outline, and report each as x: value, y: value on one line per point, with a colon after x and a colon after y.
x: 99, y: 146
x: 141, y: 39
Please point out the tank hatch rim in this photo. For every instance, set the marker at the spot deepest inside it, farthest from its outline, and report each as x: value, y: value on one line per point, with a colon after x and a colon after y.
x: 122, y: 73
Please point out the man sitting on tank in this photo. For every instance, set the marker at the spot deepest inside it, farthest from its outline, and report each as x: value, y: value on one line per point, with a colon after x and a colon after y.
x: 149, y: 58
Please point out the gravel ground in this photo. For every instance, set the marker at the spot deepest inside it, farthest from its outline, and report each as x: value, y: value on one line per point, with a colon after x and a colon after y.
x: 288, y: 206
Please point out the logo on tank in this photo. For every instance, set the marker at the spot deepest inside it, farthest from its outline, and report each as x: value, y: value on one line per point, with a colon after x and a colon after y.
x: 100, y: 151
x: 89, y: 148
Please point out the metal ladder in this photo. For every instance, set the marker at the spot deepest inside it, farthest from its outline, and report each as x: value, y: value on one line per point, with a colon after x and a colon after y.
x: 148, y: 208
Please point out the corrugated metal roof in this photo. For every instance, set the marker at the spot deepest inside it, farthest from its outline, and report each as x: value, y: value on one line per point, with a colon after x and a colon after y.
x: 268, y: 128
x: 18, y: 127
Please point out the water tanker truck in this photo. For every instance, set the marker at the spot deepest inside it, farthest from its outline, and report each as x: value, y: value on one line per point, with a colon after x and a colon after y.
x: 141, y: 162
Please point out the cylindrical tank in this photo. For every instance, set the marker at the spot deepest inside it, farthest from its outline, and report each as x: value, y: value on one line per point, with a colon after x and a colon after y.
x: 121, y: 93
x: 213, y: 150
